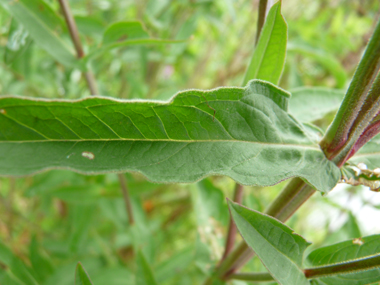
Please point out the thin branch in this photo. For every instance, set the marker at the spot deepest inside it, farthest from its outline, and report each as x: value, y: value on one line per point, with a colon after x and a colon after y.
x: 126, y: 196
x: 257, y: 277
x: 261, y: 19
x: 91, y: 83
x: 73, y: 29
x: 230, y: 241
x: 351, y: 266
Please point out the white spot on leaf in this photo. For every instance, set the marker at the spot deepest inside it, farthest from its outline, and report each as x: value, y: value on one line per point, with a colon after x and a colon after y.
x: 88, y: 155
x: 2, y: 111
x: 357, y: 241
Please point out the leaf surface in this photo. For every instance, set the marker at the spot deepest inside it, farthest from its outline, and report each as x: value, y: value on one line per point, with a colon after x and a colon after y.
x: 369, y: 154
x: 345, y: 251
x: 144, y: 274
x: 278, y: 247
x: 122, y: 34
x: 251, y: 139
x: 325, y: 59
x: 44, y: 26
x: 309, y: 104
x: 268, y: 58
x: 81, y: 276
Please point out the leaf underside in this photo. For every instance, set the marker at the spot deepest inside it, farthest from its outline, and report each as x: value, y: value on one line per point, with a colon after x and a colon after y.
x: 277, y: 246
x: 369, y: 154
x: 251, y: 139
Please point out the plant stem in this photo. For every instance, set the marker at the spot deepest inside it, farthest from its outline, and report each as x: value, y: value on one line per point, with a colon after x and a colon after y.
x: 127, y: 200
x: 261, y: 19
x: 257, y: 277
x: 351, y: 266
x: 359, y: 104
x: 70, y: 21
x: 230, y: 241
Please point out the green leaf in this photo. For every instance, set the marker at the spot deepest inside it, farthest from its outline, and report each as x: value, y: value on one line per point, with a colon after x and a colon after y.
x: 122, y: 34
x: 309, y: 104
x: 17, y: 271
x: 41, y: 264
x: 343, y: 252
x: 121, y: 31
x: 175, y: 264
x: 325, y: 59
x: 268, y: 59
x: 279, y: 248
x: 251, y: 139
x: 81, y: 276
x: 18, y: 42
x: 144, y: 273
x: 43, y: 25
x: 369, y: 154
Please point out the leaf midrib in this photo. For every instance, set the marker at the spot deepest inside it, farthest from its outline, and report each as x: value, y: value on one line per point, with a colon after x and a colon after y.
x: 165, y: 140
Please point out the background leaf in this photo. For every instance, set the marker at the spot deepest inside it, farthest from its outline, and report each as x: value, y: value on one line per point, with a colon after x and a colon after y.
x: 43, y: 26
x: 279, y: 248
x: 144, y: 274
x: 268, y: 59
x: 345, y: 251
x: 122, y: 31
x: 81, y: 276
x: 309, y: 104
x: 252, y: 138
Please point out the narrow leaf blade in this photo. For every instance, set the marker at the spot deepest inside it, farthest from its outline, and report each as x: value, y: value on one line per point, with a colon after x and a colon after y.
x: 278, y: 247
x: 81, y: 276
x: 268, y: 59
x: 144, y: 274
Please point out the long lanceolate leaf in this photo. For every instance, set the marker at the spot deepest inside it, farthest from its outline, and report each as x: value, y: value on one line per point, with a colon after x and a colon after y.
x: 278, y: 247
x: 244, y: 133
x: 43, y: 26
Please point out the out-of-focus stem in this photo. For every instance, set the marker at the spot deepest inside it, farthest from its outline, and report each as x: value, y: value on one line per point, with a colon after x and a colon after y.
x: 73, y: 29
x: 127, y: 199
x: 230, y: 241
x: 261, y: 18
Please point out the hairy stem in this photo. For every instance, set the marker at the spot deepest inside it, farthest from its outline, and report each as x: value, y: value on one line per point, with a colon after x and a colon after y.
x: 127, y: 199
x: 230, y: 241
x: 256, y: 277
x: 357, y: 107
x: 351, y: 266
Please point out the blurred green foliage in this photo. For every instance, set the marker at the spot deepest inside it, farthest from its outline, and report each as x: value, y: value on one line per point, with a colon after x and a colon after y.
x: 51, y: 221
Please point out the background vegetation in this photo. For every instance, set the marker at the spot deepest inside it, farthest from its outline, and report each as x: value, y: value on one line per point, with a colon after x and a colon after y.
x: 53, y: 220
